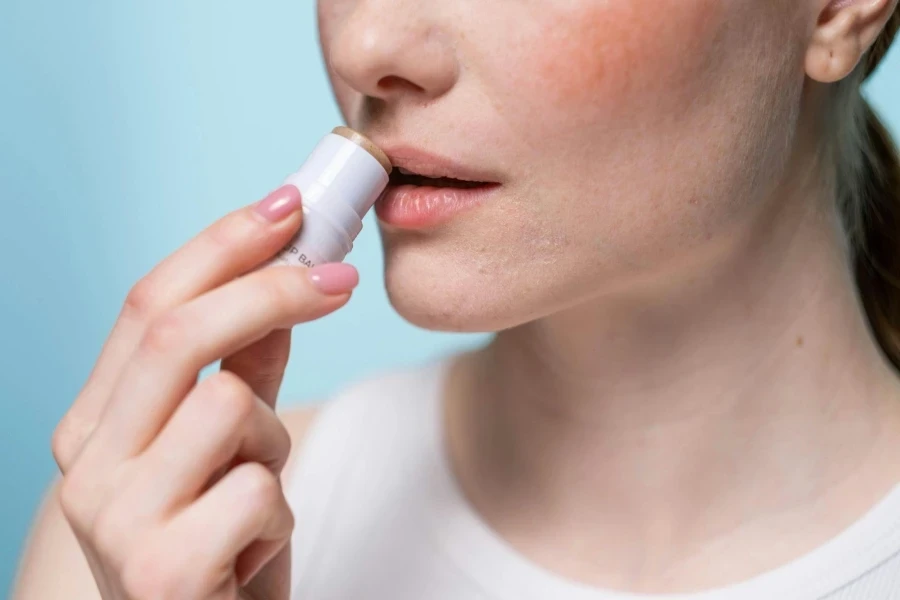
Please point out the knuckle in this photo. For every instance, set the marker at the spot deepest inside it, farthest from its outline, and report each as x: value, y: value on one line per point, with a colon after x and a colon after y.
x: 165, y: 334
x: 283, y: 290
x: 283, y: 443
x: 76, y: 502
x: 260, y: 484
x: 109, y: 531
x: 262, y: 370
x: 146, y: 576
x: 229, y: 395
x: 67, y: 438
x: 61, y: 447
x: 272, y: 360
x: 266, y: 359
x: 230, y: 232
x: 141, y: 300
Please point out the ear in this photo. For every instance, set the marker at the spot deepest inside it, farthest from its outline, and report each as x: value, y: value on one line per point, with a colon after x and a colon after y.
x: 845, y: 30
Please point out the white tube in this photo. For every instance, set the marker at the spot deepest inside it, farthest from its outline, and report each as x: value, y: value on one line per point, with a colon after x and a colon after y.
x: 339, y: 182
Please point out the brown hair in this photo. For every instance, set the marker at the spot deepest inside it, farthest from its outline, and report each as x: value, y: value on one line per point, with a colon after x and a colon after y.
x: 868, y: 188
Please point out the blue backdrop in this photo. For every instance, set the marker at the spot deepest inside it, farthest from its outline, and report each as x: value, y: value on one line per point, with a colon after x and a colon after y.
x: 125, y: 127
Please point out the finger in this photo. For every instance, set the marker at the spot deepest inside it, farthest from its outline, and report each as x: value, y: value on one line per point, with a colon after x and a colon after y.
x: 184, y: 340
x: 253, y: 559
x: 262, y: 364
x: 227, y: 591
x: 227, y: 249
x: 245, y: 507
x: 220, y: 420
x: 263, y: 575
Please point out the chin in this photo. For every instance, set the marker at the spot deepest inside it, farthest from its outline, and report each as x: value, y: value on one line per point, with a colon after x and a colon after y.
x: 431, y: 297
x: 457, y: 283
x: 444, y: 291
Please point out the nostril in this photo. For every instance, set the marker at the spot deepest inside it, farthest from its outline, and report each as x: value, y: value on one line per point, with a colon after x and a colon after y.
x: 392, y: 83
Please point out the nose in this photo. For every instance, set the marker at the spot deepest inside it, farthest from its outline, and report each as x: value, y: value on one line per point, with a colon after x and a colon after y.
x: 389, y: 49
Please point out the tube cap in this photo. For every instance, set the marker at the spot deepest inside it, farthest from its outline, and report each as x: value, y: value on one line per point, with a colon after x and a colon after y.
x: 366, y: 144
x: 342, y: 178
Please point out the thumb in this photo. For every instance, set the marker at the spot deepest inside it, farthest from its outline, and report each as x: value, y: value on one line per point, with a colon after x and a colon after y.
x: 273, y: 581
x: 261, y: 364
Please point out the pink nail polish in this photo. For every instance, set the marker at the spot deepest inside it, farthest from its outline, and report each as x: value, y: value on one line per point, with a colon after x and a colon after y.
x: 279, y: 204
x: 334, y: 278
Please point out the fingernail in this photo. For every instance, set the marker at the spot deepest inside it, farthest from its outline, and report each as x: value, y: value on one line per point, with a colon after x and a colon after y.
x: 279, y: 204
x: 334, y: 278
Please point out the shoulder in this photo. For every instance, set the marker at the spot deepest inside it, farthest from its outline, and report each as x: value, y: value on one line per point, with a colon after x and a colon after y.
x: 366, y: 408
x: 363, y: 442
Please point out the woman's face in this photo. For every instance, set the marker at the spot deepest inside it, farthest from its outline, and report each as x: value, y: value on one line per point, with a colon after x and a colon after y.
x: 630, y: 138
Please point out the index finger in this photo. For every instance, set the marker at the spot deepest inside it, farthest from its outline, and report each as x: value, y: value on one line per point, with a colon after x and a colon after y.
x: 229, y: 248
x: 194, y: 335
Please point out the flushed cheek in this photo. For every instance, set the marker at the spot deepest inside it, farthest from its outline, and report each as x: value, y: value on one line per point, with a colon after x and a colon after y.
x: 612, y: 55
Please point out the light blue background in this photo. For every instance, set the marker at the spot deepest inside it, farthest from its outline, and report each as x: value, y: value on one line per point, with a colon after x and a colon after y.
x: 125, y: 127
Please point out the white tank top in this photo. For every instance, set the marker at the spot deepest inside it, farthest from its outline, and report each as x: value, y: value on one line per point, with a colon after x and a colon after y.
x: 380, y: 517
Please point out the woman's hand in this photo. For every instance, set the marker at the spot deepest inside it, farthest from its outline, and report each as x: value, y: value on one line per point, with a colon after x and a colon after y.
x: 172, y: 486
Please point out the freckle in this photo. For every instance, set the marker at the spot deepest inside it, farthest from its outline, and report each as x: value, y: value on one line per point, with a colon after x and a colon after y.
x: 799, y: 341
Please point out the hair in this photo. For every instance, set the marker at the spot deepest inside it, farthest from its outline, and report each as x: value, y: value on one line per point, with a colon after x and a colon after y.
x: 867, y: 179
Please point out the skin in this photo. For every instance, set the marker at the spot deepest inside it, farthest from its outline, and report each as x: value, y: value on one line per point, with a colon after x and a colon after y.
x: 683, y: 375
x: 593, y: 80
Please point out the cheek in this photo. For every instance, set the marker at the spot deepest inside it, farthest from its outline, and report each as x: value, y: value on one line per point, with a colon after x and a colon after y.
x: 612, y: 54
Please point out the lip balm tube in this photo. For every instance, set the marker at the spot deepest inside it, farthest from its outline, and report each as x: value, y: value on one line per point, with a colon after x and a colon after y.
x: 339, y: 182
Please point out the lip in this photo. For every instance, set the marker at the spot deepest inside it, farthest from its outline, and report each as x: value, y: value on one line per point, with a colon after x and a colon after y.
x: 434, y: 165
x: 419, y: 207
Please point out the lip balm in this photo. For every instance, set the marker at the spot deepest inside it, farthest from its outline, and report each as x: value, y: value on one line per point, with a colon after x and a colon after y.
x: 339, y: 182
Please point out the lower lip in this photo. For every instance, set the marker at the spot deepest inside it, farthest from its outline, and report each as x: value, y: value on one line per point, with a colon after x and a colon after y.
x: 419, y: 207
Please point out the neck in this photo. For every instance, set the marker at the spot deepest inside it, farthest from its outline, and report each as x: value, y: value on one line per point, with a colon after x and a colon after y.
x: 670, y: 413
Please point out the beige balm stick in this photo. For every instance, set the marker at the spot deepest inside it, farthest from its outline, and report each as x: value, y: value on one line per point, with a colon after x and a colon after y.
x: 339, y: 182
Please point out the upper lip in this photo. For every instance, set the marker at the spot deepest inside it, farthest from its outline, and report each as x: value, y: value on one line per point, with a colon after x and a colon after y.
x: 435, y: 166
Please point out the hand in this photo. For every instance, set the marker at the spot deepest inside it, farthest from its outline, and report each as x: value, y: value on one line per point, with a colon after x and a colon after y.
x: 172, y: 486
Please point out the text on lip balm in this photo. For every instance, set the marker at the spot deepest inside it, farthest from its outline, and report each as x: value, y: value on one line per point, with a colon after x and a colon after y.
x: 294, y: 255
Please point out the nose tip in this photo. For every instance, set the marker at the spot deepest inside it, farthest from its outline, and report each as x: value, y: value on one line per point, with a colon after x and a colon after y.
x: 382, y: 58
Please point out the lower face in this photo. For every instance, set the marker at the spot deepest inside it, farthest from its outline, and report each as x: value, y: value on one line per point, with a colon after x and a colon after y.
x: 630, y: 137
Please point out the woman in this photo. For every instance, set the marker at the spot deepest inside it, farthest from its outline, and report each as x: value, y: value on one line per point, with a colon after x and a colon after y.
x: 683, y: 231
